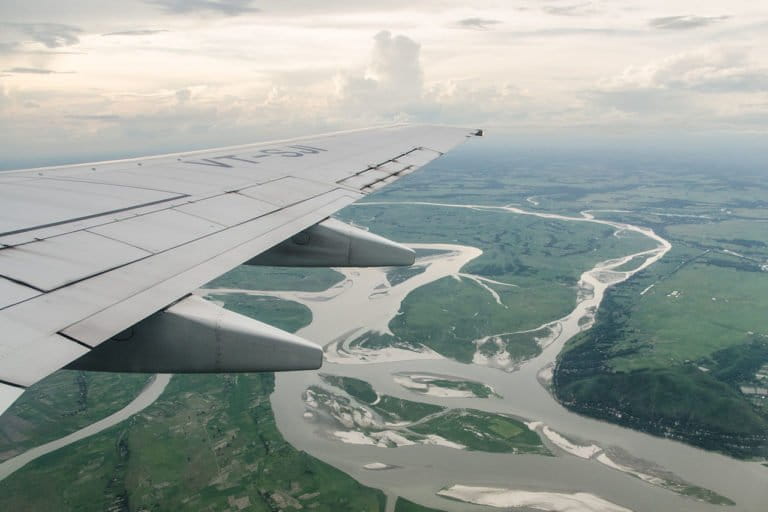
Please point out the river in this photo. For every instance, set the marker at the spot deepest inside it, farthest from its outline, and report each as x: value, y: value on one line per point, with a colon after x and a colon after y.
x: 364, y: 301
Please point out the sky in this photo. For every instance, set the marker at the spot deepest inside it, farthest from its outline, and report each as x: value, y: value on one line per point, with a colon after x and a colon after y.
x: 87, y: 79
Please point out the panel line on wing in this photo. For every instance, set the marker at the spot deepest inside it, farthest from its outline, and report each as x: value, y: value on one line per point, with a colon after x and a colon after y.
x: 74, y: 340
x: 92, y: 216
x: 13, y: 384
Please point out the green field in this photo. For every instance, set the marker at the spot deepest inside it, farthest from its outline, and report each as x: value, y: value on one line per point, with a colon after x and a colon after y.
x: 673, y: 363
x: 396, y: 409
x: 356, y: 388
x: 62, y: 403
x: 247, y: 277
x: 482, y: 431
x: 673, y: 360
x: 477, y: 389
x: 447, y: 316
x: 541, y: 261
x: 390, y: 408
x: 291, y: 316
x: 476, y: 430
x: 397, y: 275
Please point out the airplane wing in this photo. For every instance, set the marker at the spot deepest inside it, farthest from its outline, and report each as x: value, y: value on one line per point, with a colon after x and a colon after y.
x: 97, y: 261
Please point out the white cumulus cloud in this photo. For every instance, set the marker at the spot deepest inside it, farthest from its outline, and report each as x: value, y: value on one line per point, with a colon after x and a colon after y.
x: 393, y: 79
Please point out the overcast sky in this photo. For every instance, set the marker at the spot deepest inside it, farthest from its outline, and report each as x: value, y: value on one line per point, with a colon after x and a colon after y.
x: 97, y: 77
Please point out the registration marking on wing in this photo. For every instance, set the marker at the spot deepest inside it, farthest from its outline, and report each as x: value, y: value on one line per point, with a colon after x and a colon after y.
x: 292, y: 151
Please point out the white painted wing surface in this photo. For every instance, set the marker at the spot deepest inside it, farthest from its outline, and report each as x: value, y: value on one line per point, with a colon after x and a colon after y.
x: 89, y: 250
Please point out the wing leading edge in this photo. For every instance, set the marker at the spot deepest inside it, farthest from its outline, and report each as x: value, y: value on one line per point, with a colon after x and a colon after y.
x: 93, y: 256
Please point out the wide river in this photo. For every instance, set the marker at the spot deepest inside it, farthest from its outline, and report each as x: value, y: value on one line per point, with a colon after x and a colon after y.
x: 364, y: 301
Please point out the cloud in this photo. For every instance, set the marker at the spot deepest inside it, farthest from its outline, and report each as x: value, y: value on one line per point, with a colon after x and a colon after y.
x: 9, y: 47
x: 93, y: 117
x: 477, y: 23
x: 703, y: 85
x: 568, y: 32
x: 704, y: 70
x: 393, y: 79
x: 395, y: 62
x: 684, y: 22
x: 29, y: 71
x: 225, y: 7
x: 51, y: 35
x: 4, y: 97
x: 183, y: 95
x: 582, y: 9
x: 138, y: 32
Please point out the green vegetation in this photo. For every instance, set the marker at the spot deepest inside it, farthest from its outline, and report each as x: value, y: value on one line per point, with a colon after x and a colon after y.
x: 247, y: 277
x: 356, y: 388
x: 420, y: 423
x: 375, y: 340
x: 672, y: 361
x: 483, y: 431
x: 397, y: 275
x: 397, y: 409
x: 523, y: 250
x: 288, y: 314
x: 390, y: 408
x: 403, y: 505
x: 449, y: 316
x: 476, y: 388
x: 702, y: 494
x: 62, y: 403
